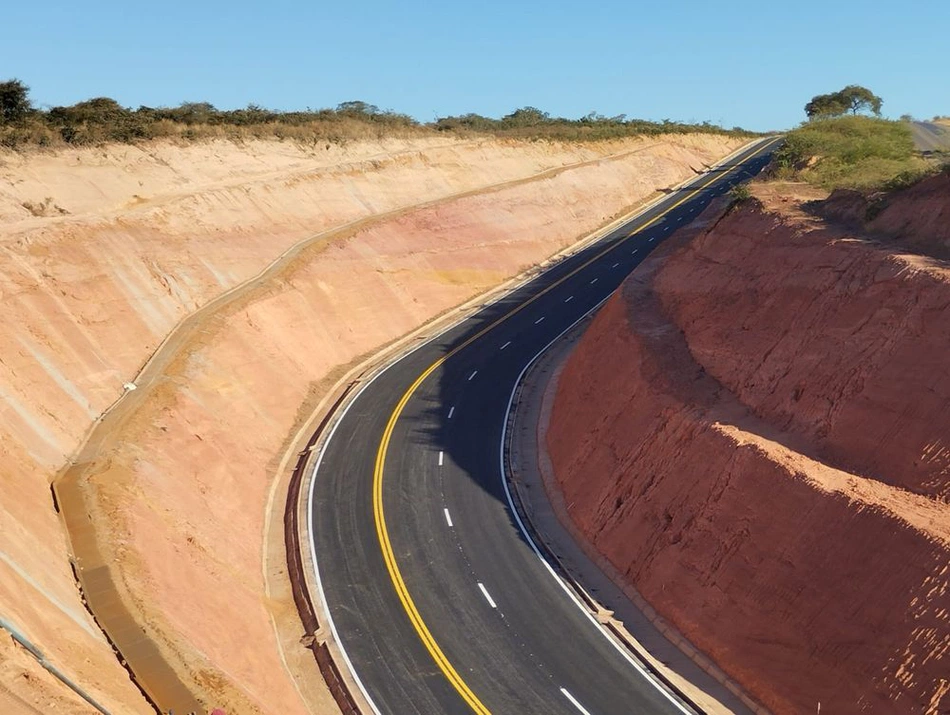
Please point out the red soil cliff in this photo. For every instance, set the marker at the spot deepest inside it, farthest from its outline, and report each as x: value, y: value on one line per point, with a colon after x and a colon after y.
x: 917, y: 217
x: 753, y: 431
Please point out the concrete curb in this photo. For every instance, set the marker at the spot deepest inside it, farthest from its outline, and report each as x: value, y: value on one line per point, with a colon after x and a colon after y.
x: 314, y: 635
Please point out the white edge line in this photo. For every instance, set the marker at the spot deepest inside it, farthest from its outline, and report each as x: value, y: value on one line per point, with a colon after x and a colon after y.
x: 752, y: 146
x: 313, y: 549
x: 566, y: 693
x: 487, y: 595
x: 534, y: 547
x: 448, y: 517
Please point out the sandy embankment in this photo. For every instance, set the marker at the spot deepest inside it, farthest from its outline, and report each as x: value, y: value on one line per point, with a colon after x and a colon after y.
x: 127, y: 242
x: 754, y: 433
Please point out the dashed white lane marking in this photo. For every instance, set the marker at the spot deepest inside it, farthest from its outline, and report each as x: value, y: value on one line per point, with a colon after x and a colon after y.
x: 652, y: 239
x: 593, y: 281
x: 472, y: 375
x: 615, y: 265
x: 505, y: 345
x: 666, y: 228
x: 634, y: 251
x: 566, y: 693
x: 451, y: 411
x: 448, y: 518
x: 539, y: 320
x: 441, y: 457
x: 489, y: 598
x: 569, y: 299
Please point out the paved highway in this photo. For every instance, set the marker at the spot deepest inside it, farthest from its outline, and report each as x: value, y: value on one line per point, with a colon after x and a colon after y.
x: 436, y: 595
x: 930, y: 137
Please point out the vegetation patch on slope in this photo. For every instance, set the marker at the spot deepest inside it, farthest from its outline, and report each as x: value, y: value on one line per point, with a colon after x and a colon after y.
x: 853, y: 152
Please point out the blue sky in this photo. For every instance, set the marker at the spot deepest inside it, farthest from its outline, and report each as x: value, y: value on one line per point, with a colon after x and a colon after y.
x: 753, y: 64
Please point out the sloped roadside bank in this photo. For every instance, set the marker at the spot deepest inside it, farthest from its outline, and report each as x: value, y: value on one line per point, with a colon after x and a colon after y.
x: 200, y: 399
x: 615, y: 604
x: 735, y: 434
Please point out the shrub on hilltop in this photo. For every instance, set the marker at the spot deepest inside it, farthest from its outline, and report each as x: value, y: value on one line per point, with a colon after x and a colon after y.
x: 855, y: 152
x: 532, y: 123
x: 102, y: 119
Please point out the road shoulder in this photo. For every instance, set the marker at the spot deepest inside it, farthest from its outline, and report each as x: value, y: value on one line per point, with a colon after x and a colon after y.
x: 622, y: 611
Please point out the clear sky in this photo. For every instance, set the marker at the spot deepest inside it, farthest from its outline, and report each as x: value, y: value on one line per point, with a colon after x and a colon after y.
x: 737, y: 62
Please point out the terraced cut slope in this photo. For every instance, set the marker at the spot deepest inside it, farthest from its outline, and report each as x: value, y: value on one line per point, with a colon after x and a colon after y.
x: 296, y: 261
x: 753, y: 432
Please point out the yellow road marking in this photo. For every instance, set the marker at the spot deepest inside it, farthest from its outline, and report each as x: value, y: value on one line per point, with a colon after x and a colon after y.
x: 380, y: 518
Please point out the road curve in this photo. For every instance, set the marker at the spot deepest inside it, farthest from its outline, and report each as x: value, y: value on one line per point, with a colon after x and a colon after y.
x: 435, y: 594
x: 930, y: 137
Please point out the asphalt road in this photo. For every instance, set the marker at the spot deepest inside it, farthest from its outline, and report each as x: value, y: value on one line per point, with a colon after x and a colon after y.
x: 436, y: 596
x: 930, y: 137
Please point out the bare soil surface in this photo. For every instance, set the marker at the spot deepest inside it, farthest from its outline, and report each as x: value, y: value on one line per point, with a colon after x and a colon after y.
x: 753, y: 434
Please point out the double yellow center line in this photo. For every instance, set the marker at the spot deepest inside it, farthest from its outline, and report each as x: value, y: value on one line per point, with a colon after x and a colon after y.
x: 379, y: 515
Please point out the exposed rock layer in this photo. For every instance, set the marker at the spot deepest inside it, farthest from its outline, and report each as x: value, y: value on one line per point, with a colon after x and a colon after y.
x: 753, y: 431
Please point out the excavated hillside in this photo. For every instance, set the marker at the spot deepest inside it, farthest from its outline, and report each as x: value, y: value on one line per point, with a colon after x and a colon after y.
x: 917, y: 218
x: 230, y: 286
x: 753, y: 432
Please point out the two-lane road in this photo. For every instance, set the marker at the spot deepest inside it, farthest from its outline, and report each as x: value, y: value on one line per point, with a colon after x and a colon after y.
x: 436, y: 595
x: 930, y: 137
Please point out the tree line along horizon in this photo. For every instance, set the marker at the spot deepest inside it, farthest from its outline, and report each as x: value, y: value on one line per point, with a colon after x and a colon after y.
x: 101, y: 119
x: 104, y: 119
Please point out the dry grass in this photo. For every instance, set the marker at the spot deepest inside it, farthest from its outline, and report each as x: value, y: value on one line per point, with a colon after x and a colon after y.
x: 853, y: 152
x: 102, y: 120
x: 37, y: 132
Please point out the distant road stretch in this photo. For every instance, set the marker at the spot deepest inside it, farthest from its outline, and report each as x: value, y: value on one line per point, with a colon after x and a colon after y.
x: 930, y: 137
x: 435, y: 593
